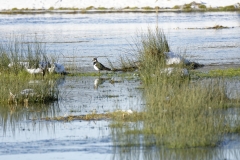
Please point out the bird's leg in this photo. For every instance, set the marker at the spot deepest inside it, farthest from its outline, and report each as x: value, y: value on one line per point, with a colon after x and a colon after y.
x: 43, y: 74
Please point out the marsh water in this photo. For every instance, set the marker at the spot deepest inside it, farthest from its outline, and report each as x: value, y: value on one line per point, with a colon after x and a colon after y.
x: 77, y: 38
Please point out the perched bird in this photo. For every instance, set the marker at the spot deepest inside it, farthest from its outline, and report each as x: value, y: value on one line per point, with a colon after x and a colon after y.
x: 57, y: 68
x: 36, y: 71
x: 98, y: 66
x: 172, y: 58
x: 171, y: 70
x: 33, y: 71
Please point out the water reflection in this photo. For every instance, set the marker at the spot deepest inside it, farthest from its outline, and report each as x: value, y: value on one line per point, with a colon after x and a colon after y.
x: 99, y: 81
x: 57, y: 82
x: 150, y: 153
x: 232, y: 88
x: 12, y: 114
x: 10, y: 117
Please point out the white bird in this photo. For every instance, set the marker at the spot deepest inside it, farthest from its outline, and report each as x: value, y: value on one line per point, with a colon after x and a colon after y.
x: 57, y: 68
x: 173, y: 58
x: 35, y: 71
x: 129, y: 111
x: 170, y: 70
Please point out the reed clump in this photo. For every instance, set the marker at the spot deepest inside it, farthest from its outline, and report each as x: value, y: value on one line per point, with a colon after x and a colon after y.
x: 179, y: 112
x: 17, y: 85
x: 181, y: 115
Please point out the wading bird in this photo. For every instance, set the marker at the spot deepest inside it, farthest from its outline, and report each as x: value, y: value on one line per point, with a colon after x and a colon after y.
x: 99, y: 66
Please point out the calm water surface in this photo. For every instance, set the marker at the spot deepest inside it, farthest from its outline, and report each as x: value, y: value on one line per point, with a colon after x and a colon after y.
x: 80, y: 37
x: 89, y: 35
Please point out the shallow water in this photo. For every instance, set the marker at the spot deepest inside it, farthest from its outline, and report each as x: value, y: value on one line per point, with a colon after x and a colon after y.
x: 79, y: 37
x: 81, y: 96
x: 84, y: 36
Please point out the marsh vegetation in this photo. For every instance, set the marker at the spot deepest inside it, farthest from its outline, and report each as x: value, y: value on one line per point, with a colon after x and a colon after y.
x: 175, y: 111
x: 181, y: 111
x: 189, y: 7
x: 18, y: 87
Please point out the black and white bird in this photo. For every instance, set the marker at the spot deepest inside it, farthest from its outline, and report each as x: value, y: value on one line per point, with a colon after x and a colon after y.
x: 99, y: 66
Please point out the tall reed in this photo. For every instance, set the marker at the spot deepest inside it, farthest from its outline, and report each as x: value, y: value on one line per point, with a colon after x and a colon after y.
x: 179, y: 112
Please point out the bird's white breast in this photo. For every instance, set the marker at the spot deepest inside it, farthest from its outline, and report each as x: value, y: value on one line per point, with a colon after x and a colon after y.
x: 95, y: 67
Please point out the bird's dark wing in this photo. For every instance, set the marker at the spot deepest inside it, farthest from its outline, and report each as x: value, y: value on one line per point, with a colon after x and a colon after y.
x: 102, y: 67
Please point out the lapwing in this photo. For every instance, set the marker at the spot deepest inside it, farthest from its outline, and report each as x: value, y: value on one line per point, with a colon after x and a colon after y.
x: 99, y: 66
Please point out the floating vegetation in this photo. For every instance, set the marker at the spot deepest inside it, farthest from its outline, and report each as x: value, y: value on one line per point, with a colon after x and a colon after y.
x: 117, y: 115
x: 214, y: 27
x: 217, y: 27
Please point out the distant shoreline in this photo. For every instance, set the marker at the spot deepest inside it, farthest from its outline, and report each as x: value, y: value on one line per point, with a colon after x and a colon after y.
x: 79, y: 11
